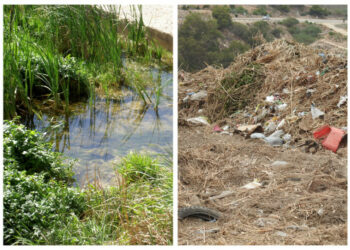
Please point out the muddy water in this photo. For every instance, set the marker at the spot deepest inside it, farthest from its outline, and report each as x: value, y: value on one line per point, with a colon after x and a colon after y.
x: 101, y: 132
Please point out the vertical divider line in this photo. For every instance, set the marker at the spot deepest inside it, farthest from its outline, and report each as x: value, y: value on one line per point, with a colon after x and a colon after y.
x: 175, y: 128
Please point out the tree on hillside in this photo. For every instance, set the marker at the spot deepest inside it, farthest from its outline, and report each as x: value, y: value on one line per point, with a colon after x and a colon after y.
x: 318, y: 11
x: 198, y: 42
x: 222, y: 14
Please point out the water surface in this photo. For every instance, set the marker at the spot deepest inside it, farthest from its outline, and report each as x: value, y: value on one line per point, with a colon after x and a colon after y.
x: 99, y: 133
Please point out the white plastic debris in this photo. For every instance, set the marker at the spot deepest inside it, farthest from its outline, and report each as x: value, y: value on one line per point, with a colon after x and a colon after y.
x: 270, y: 127
x: 257, y: 136
x: 200, y: 111
x: 342, y: 100
x: 310, y: 91
x: 270, y: 99
x: 302, y: 114
x: 199, y: 95
x: 277, y: 133
x: 281, y: 124
x: 285, y: 91
x: 282, y: 234
x: 226, y: 127
x: 252, y: 185
x: 199, y: 120
x: 279, y: 163
x: 320, y: 211
x: 275, y: 138
x: 281, y: 107
x: 287, y: 137
x: 315, y: 112
x: 186, y: 99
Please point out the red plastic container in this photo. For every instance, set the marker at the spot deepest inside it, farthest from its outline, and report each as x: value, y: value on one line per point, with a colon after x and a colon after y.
x: 332, y: 136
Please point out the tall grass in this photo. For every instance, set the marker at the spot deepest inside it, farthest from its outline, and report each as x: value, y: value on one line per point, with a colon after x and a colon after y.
x: 94, y: 35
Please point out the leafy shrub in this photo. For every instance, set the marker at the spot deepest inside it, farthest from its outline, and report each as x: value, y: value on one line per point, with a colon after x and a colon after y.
x: 289, y: 22
x: 34, y: 207
x: 263, y: 28
x: 281, y: 8
x: 242, y: 31
x: 26, y: 150
x: 318, y: 11
x: 307, y: 33
x: 261, y: 10
x: 222, y: 14
x: 276, y: 32
x: 135, y: 167
x: 238, y: 10
x: 36, y: 196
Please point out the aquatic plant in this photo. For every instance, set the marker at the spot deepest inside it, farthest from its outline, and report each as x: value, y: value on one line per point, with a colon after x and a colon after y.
x: 40, y: 41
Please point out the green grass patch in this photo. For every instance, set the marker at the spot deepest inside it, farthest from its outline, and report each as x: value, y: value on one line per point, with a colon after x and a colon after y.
x: 42, y: 208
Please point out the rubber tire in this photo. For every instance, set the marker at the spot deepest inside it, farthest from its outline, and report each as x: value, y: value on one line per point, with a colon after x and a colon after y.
x: 199, y: 212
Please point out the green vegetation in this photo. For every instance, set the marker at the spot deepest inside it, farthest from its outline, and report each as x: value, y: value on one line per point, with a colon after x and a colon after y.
x: 306, y: 33
x: 318, y: 11
x: 62, y: 52
x: 198, y: 42
x: 222, y: 15
x: 238, y: 10
x: 260, y: 11
x: 41, y: 207
x: 290, y: 22
x: 210, y: 42
x: 281, y: 8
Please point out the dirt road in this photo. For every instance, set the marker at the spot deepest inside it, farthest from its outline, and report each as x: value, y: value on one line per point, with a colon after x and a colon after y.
x: 301, y: 201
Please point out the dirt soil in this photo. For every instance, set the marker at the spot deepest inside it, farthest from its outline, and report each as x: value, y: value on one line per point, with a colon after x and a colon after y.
x: 302, y: 195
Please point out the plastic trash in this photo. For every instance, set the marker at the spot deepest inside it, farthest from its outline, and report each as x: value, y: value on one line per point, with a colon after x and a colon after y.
x: 342, y: 100
x: 301, y: 114
x: 226, y: 127
x: 270, y: 99
x: 332, y: 136
x: 199, y: 120
x: 285, y: 91
x: 279, y: 163
x: 217, y: 128
x: 287, y: 137
x: 281, y: 107
x: 281, y: 124
x: 282, y: 234
x: 199, y: 95
x: 252, y: 185
x: 270, y: 127
x: 315, y: 112
x: 274, y: 141
x: 257, y: 136
x: 277, y: 133
x: 275, y: 138
x: 248, y: 128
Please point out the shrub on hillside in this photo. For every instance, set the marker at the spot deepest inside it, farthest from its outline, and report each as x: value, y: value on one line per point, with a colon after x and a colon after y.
x: 289, y: 22
x: 222, y: 14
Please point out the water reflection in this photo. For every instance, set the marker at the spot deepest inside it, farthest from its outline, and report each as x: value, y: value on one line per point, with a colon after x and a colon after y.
x: 105, y: 130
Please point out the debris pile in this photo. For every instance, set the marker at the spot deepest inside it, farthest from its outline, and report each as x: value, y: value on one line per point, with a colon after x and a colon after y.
x: 282, y: 85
